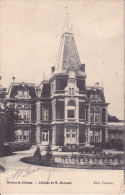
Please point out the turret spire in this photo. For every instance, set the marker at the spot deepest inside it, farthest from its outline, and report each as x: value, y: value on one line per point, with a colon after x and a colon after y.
x: 67, y: 27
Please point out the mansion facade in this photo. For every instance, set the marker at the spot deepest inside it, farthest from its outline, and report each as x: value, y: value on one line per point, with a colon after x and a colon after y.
x: 62, y: 109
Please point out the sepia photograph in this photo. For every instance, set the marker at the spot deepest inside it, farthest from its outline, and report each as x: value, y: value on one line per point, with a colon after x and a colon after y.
x: 62, y: 97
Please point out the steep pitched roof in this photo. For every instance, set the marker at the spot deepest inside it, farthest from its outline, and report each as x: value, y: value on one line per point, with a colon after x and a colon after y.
x: 68, y: 57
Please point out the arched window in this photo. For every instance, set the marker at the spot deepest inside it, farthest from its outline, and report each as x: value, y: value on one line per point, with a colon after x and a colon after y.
x: 97, y: 111
x: 26, y: 107
x: 71, y: 103
x: 19, y: 107
x: 71, y: 109
x: 91, y: 115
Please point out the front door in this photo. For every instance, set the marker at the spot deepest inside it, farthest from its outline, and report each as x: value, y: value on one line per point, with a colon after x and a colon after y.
x: 45, y: 137
x: 71, y: 136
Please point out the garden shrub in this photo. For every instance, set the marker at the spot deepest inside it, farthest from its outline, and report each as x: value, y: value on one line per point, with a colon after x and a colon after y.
x: 48, y: 153
x: 37, y: 153
x: 18, y: 146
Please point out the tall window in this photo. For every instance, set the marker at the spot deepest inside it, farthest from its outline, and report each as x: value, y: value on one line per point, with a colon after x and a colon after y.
x: 97, y: 136
x: 71, y: 109
x: 26, y: 113
x: 45, y: 113
x: 91, y: 115
x: 71, y: 91
x: 20, y: 111
x: 91, y: 136
x: 26, y: 136
x: 97, y: 111
x: 18, y: 135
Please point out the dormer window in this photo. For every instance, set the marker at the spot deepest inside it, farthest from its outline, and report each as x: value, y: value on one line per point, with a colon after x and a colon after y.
x: 20, y: 94
x: 26, y: 94
x: 23, y: 94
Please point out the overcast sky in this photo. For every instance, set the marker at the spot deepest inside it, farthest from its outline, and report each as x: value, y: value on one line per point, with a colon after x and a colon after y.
x: 31, y: 32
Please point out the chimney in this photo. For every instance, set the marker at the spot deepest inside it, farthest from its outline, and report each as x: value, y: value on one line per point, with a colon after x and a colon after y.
x: 53, y: 69
x: 0, y: 80
x: 82, y: 68
x: 13, y: 79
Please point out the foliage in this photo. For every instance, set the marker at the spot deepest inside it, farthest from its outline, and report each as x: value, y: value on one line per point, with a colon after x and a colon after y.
x: 112, y: 144
x: 82, y: 149
x: 19, y: 146
x: 8, y: 117
x: 48, y: 153
x: 112, y: 118
x: 37, y: 153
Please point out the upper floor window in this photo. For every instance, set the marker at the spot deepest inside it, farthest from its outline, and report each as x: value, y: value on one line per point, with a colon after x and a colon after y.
x: 20, y: 112
x: 97, y: 111
x: 20, y: 94
x: 26, y: 115
x: 91, y: 96
x: 45, y: 113
x: 26, y: 94
x: 71, y: 113
x: 71, y: 109
x: 52, y: 88
x: 71, y: 91
x: 23, y: 94
x: 91, y: 115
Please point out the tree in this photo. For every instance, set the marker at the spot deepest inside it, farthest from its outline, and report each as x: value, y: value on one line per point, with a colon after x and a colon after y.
x: 112, y: 118
x: 8, y: 118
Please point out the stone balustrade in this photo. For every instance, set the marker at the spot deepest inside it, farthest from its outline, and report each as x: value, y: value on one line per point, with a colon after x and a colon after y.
x: 89, y: 161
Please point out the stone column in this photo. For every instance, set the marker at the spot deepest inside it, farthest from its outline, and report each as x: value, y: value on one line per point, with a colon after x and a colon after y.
x: 38, y: 109
x: 106, y: 134
x: 54, y: 136
x: 88, y: 136
x: 38, y: 134
x: 78, y: 135
x: 64, y: 136
x: 100, y: 135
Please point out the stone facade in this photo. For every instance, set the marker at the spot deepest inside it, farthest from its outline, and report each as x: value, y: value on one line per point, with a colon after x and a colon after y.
x: 62, y: 109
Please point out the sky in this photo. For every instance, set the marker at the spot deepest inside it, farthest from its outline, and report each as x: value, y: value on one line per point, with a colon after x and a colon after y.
x: 31, y: 33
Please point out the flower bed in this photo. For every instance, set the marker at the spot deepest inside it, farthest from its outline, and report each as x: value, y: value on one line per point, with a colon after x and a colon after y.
x: 104, y: 159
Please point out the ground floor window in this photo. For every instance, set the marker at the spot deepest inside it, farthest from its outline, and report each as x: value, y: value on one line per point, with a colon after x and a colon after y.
x: 95, y: 136
x: 45, y: 137
x: 26, y: 136
x: 22, y: 135
x: 18, y: 135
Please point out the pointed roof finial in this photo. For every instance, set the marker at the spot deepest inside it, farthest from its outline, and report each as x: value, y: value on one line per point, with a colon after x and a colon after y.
x: 67, y: 27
